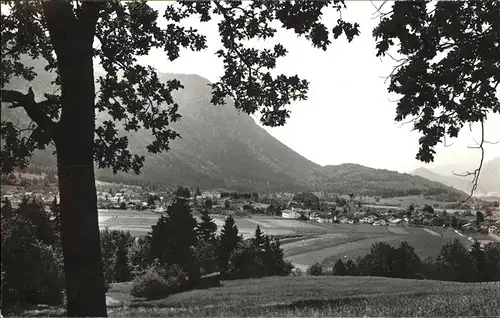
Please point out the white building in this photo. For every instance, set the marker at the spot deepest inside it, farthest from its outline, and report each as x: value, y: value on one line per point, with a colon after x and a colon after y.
x: 159, y: 209
x: 211, y: 194
x: 368, y: 220
x: 290, y: 214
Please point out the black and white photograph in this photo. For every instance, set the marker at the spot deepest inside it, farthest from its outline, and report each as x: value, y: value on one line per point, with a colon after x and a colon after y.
x: 267, y: 158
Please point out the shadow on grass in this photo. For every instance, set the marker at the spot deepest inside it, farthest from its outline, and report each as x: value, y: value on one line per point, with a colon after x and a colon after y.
x: 320, y: 303
x: 349, y: 301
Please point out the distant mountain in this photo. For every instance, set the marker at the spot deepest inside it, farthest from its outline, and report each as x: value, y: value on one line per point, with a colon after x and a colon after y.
x: 220, y: 148
x: 489, y: 179
x: 380, y: 182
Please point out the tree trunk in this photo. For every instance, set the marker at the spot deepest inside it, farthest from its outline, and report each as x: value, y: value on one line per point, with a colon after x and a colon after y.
x: 85, y: 288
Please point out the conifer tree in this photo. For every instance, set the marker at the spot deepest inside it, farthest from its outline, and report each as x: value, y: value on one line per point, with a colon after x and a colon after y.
x: 351, y: 268
x: 228, y: 241
x: 479, y: 259
x: 339, y: 268
x: 258, y: 239
x: 269, y: 261
x: 207, y: 243
x: 282, y: 267
x: 174, y: 238
x: 207, y: 229
x: 122, y: 271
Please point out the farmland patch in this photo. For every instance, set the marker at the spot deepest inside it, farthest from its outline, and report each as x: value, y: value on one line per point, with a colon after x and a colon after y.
x: 282, y: 223
x: 397, y: 230
x: 431, y: 232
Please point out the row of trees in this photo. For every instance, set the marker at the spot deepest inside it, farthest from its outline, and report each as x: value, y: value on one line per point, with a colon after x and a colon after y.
x: 179, y: 244
x: 453, y: 263
x: 238, y: 195
x: 12, y: 180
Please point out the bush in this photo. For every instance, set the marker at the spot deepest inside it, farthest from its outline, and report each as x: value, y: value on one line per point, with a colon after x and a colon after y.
x: 158, y: 282
x: 151, y: 285
x: 297, y: 272
x: 339, y: 269
x: 110, y: 243
x: 30, y: 269
x: 287, y: 269
x: 139, y: 256
x: 245, y: 262
x: 315, y: 270
x: 206, y: 254
x: 122, y: 270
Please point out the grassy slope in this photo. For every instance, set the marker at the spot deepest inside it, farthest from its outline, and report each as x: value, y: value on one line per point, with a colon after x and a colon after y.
x: 315, y: 296
x: 323, y: 296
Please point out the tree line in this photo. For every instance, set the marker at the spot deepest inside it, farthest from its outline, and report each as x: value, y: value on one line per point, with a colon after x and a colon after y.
x: 453, y: 263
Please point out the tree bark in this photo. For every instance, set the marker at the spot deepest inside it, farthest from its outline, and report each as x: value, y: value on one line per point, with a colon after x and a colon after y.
x: 74, y: 139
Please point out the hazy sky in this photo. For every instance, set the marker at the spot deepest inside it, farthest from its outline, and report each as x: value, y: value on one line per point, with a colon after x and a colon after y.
x: 349, y: 115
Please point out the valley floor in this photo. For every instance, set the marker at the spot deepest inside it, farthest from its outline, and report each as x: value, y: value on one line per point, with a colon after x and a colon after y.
x: 324, y: 243
x: 312, y: 296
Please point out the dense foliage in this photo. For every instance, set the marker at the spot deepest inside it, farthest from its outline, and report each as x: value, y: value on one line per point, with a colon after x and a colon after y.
x: 309, y: 200
x: 453, y: 263
x: 174, y: 238
x: 31, y: 262
x: 448, y: 68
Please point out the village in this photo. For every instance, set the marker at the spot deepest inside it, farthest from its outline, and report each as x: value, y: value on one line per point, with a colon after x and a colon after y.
x: 480, y: 220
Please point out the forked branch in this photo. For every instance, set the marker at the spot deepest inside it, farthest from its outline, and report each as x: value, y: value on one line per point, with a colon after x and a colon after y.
x: 477, y: 171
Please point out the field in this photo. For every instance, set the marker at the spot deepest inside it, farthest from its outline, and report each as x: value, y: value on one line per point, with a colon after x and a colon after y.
x: 352, y: 241
x: 330, y: 241
x: 139, y: 223
x: 411, y: 199
x: 312, y: 296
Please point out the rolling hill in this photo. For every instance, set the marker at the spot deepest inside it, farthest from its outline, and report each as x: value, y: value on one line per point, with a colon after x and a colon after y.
x: 380, y: 182
x: 489, y: 179
x: 220, y: 148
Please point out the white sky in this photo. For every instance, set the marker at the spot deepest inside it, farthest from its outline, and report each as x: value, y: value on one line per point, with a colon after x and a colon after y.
x: 348, y: 116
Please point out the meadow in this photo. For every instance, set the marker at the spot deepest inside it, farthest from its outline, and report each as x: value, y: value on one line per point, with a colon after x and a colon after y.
x: 139, y: 223
x: 318, y: 296
x: 323, y: 243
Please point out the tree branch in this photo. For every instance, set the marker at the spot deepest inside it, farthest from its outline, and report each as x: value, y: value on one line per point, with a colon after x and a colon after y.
x: 397, y: 67
x: 377, y: 10
x: 33, y: 109
x: 234, y: 47
x: 476, y: 172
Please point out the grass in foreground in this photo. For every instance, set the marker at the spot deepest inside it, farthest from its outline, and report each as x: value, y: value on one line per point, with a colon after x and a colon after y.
x: 314, y: 297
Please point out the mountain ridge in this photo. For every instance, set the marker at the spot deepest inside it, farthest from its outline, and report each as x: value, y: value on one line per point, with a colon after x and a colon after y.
x: 221, y: 148
x: 489, y: 178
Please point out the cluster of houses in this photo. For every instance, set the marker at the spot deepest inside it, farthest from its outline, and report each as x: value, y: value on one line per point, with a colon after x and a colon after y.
x: 332, y: 217
x: 15, y: 198
x: 398, y: 217
x: 281, y: 203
